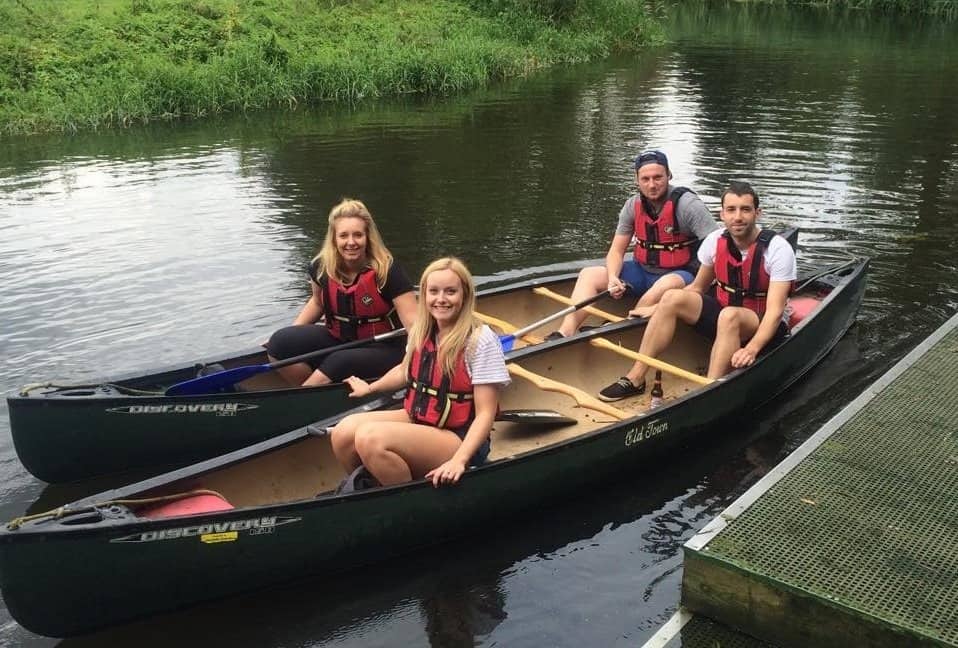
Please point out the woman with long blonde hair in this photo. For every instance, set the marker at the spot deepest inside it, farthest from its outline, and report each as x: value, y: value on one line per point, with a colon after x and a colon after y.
x: 360, y: 292
x: 453, y: 371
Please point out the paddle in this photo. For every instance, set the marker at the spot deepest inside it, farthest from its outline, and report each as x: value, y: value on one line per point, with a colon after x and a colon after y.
x: 216, y: 381
x: 509, y: 340
x: 823, y: 273
x: 535, y: 417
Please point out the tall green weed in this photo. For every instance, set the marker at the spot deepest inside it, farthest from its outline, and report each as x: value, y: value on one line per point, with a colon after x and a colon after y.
x: 70, y: 64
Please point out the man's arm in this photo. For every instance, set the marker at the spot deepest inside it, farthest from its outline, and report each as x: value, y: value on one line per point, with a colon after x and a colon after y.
x: 703, y: 279
x: 775, y: 303
x: 613, y: 263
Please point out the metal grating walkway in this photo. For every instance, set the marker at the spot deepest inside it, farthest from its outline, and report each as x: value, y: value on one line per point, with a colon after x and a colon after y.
x: 859, y: 537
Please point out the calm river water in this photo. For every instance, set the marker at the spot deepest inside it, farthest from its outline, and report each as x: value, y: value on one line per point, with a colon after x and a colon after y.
x: 133, y: 249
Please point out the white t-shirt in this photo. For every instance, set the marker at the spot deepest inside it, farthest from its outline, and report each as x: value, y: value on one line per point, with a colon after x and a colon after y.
x: 779, y: 257
x: 487, y: 365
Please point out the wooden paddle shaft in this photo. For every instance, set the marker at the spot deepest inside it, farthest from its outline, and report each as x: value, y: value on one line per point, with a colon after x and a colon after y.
x: 562, y: 299
x: 652, y: 362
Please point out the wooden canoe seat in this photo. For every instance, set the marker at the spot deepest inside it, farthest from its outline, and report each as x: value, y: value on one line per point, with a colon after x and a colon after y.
x: 191, y: 505
x: 581, y: 398
x: 562, y: 299
x: 801, y: 308
x: 652, y: 362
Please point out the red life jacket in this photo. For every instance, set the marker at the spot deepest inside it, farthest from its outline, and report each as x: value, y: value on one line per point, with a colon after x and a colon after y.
x: 357, y: 311
x: 658, y: 240
x: 742, y: 283
x: 436, y: 399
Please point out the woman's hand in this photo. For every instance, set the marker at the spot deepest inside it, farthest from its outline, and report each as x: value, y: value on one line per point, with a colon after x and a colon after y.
x: 447, y: 473
x: 359, y: 387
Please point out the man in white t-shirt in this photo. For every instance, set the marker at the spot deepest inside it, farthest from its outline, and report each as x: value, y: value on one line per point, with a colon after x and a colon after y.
x: 754, y: 271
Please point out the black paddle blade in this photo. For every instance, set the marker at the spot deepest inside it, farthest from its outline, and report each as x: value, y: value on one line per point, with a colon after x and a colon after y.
x: 535, y: 417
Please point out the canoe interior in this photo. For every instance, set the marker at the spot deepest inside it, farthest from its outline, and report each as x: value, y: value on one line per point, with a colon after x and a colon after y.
x: 527, y: 305
x: 519, y: 307
x: 307, y: 467
x: 518, y: 304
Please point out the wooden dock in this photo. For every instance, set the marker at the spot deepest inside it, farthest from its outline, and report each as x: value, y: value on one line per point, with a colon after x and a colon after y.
x: 853, y: 539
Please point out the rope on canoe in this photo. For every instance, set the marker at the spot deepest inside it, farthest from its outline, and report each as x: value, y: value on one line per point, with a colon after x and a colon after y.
x: 123, y: 389
x: 62, y: 511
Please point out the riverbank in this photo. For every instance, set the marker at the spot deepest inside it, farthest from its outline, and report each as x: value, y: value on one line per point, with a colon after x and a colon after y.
x: 67, y: 66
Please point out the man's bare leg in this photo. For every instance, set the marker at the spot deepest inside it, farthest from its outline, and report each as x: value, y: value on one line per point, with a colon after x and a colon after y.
x: 591, y: 281
x: 676, y: 304
x: 735, y: 326
x: 646, y: 304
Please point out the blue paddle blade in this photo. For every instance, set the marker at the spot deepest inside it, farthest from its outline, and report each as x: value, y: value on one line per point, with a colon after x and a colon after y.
x: 507, y: 342
x: 214, y: 382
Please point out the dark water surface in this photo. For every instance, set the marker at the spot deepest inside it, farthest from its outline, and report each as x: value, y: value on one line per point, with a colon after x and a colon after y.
x: 124, y: 251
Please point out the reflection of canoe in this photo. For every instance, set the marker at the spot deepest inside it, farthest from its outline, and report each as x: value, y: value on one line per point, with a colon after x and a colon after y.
x: 125, y: 422
x: 252, y: 518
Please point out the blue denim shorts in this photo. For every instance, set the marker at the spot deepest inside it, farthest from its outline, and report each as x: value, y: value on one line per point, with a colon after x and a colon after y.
x: 640, y: 280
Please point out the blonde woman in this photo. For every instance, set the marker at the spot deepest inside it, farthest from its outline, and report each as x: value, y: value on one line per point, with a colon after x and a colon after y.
x: 360, y: 292
x: 453, y: 371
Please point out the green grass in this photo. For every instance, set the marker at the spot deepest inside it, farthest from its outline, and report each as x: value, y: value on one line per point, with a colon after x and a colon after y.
x: 69, y: 65
x: 947, y: 9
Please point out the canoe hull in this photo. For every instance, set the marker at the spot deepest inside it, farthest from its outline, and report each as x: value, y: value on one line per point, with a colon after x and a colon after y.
x: 63, y: 440
x: 67, y: 435
x: 123, y: 567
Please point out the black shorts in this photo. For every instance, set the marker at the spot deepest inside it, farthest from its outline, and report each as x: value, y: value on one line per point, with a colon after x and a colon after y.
x: 368, y: 361
x: 707, y: 323
x: 480, y: 456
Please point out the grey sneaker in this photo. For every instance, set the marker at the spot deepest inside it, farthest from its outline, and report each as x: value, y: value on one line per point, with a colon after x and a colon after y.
x: 621, y: 388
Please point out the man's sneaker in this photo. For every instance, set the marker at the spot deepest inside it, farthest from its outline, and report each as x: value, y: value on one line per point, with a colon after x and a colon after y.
x: 621, y: 388
x: 555, y: 335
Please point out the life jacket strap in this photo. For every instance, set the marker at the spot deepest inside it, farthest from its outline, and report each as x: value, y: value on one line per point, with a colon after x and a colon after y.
x: 348, y: 319
x: 738, y: 292
x: 667, y: 247
x: 455, y: 397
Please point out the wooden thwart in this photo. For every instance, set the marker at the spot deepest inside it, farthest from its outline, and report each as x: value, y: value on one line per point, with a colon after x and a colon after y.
x: 652, y: 362
x: 562, y: 299
x: 506, y: 327
x: 580, y: 397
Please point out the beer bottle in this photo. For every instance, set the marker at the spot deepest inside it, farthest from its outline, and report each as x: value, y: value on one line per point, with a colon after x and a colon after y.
x: 657, y: 395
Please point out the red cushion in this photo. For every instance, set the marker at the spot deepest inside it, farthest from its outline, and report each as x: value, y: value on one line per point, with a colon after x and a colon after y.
x: 801, y: 307
x: 186, y: 506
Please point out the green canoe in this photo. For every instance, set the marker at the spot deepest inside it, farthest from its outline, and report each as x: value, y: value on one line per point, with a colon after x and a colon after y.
x: 268, y: 514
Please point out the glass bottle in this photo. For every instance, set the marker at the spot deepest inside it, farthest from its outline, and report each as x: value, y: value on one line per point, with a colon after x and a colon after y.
x: 657, y: 395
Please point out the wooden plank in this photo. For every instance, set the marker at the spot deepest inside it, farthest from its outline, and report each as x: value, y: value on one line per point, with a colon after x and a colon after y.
x: 652, y: 362
x: 506, y: 327
x: 581, y: 398
x: 562, y: 299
